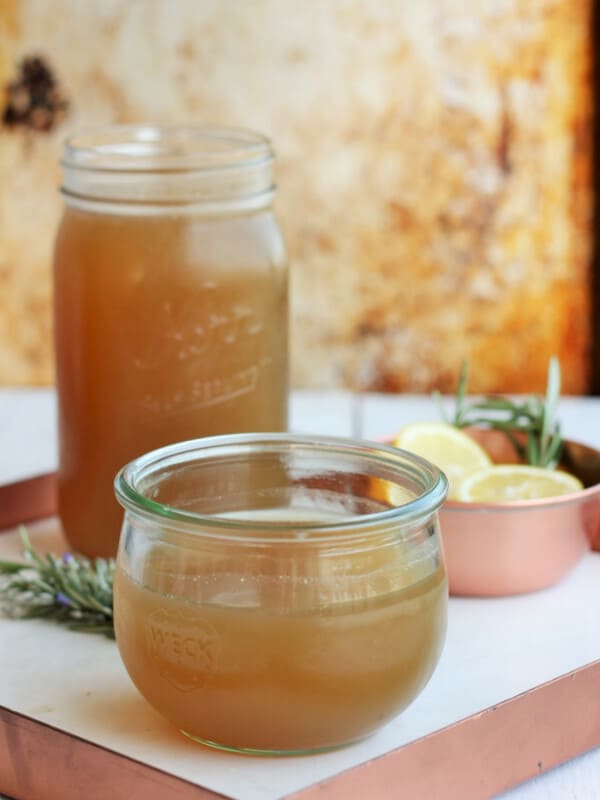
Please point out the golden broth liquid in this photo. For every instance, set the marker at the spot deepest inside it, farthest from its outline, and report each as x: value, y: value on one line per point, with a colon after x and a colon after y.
x: 167, y: 328
x: 280, y: 652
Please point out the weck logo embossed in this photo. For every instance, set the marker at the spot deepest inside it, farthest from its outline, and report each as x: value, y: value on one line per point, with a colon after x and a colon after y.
x: 185, y: 651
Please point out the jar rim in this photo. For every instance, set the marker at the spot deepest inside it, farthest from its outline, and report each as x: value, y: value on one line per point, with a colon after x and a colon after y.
x: 141, y: 148
x: 155, y: 169
x: 192, y: 451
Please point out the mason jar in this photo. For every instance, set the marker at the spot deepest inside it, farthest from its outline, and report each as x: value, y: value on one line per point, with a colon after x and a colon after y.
x: 170, y: 305
x: 280, y: 593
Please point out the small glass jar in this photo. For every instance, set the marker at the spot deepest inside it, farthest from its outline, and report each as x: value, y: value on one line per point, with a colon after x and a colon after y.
x: 170, y: 300
x: 280, y: 593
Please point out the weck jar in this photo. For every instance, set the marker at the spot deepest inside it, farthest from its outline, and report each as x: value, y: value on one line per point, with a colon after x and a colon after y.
x: 279, y: 593
x: 170, y: 301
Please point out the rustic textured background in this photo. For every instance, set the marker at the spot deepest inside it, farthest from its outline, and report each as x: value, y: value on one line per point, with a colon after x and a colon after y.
x: 434, y: 170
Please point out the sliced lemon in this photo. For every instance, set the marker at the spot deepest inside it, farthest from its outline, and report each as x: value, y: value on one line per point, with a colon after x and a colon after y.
x: 507, y: 482
x: 447, y: 447
x: 389, y: 493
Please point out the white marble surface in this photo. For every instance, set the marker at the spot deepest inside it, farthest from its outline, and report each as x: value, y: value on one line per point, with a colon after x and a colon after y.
x: 27, y: 447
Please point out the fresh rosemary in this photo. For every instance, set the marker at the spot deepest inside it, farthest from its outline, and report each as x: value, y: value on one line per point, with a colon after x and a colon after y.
x: 531, y: 424
x: 70, y: 590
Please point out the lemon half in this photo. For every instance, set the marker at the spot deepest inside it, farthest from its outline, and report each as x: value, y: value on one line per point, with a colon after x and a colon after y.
x: 455, y: 453
x: 508, y: 482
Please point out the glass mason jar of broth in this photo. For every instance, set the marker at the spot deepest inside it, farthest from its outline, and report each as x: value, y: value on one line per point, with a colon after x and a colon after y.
x: 170, y: 289
x: 277, y: 593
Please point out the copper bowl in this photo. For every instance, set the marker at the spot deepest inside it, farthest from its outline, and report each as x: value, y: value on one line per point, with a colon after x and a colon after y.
x: 497, y: 549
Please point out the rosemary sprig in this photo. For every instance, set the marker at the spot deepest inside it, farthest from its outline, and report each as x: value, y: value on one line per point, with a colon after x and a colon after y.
x: 70, y: 590
x: 531, y: 424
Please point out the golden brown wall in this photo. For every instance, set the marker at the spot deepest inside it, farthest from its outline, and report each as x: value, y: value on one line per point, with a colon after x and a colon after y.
x: 433, y: 169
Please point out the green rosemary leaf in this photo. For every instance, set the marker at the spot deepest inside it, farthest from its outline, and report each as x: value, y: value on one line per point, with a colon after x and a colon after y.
x: 28, y: 584
x: 516, y: 443
x: 534, y: 407
x: 463, y: 380
x: 550, y: 411
x: 42, y: 611
x: 516, y: 426
x: 104, y: 575
x: 437, y: 397
x: 41, y: 585
x: 533, y: 419
x: 98, y: 605
x: 493, y: 404
x: 552, y: 397
x: 554, y: 450
x: 532, y: 450
x: 10, y: 567
x: 93, y: 627
x: 28, y: 551
x: 71, y: 591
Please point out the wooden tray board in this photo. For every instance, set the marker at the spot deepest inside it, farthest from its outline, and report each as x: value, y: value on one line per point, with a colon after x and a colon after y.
x: 516, y: 692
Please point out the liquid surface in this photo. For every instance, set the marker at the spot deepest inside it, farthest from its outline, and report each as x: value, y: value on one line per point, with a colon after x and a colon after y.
x: 289, y: 650
x: 167, y: 328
